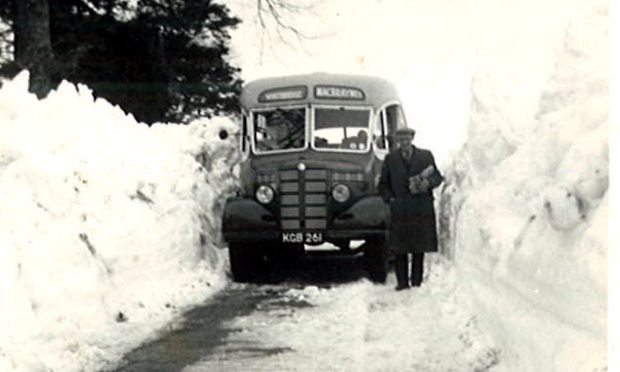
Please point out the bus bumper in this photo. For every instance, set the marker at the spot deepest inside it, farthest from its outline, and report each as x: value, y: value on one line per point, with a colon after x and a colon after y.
x: 245, y: 220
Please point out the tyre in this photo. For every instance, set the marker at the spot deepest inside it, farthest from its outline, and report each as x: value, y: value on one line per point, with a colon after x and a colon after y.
x: 375, y: 260
x: 247, y: 265
x: 282, y: 260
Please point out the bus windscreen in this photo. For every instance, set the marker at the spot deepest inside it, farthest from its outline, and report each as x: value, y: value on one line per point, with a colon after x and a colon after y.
x: 279, y: 129
x: 338, y: 128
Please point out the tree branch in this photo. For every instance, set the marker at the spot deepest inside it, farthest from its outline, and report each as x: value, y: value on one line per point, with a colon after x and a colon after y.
x: 279, y: 13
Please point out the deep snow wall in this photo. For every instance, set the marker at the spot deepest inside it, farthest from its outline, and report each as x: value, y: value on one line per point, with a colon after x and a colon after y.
x: 108, y: 227
x: 525, y: 207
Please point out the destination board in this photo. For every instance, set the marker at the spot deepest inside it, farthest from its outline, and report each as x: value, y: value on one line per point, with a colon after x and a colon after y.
x: 283, y: 94
x: 338, y: 92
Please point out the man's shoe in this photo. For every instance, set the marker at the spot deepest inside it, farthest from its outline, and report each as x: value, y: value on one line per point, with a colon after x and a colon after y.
x: 400, y: 287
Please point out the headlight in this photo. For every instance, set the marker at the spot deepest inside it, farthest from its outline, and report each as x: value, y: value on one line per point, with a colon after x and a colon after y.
x: 341, y: 193
x: 264, y: 194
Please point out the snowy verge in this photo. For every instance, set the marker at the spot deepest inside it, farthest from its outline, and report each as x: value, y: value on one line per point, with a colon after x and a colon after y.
x: 107, y: 226
x: 525, y: 211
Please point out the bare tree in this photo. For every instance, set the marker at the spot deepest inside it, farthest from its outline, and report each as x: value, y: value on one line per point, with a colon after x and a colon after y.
x: 278, y: 17
x: 6, y: 42
x: 33, y: 47
x: 31, y: 41
x: 280, y: 12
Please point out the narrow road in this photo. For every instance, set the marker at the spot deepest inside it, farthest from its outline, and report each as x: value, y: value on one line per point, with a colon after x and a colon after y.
x: 203, y: 329
x: 206, y: 328
x: 336, y: 322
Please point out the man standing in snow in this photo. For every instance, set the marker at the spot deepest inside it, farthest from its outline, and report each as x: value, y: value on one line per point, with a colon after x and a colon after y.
x: 408, y: 177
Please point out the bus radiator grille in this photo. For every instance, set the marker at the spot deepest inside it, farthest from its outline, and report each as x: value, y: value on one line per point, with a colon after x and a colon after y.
x: 303, y: 199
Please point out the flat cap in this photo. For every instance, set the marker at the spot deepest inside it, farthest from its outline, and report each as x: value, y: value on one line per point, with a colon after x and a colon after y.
x: 404, y: 131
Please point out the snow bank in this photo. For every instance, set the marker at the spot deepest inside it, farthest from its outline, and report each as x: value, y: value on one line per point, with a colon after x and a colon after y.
x: 106, y: 225
x: 528, y: 204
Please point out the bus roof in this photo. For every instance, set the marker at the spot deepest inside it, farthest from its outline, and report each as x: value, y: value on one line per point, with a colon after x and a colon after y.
x: 318, y: 88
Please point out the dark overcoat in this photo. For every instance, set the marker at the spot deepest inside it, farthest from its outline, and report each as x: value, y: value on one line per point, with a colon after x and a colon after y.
x: 412, y: 227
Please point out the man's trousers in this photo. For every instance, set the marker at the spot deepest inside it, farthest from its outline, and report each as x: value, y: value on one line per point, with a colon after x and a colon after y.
x: 401, y: 267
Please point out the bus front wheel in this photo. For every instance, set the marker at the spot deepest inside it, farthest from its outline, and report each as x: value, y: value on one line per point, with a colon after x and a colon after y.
x: 247, y: 264
x: 375, y: 259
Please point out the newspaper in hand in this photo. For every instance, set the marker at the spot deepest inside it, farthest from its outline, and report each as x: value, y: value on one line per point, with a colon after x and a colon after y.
x: 428, y: 171
x: 415, y: 184
x: 420, y: 183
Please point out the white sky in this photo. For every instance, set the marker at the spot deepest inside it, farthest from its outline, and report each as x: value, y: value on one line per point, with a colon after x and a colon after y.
x: 429, y: 48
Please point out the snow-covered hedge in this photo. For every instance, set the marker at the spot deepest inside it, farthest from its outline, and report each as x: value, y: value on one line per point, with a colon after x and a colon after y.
x: 525, y: 211
x: 107, y: 226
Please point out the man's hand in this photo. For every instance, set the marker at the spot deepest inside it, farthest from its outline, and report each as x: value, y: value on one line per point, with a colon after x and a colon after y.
x: 424, y: 185
x: 418, y: 184
x: 414, y: 184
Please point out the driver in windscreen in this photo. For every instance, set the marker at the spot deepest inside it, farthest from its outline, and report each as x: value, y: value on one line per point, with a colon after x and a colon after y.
x: 281, y: 133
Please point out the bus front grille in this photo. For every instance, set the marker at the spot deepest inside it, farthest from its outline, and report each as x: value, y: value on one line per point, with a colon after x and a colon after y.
x: 303, y: 199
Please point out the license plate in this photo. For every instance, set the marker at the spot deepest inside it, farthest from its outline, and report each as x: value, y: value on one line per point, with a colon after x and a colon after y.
x: 302, y: 237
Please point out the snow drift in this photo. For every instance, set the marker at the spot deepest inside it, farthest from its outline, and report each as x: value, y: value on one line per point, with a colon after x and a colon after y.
x: 107, y: 226
x: 525, y: 207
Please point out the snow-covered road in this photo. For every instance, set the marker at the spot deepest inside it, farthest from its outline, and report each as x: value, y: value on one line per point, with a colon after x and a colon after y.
x: 351, y: 326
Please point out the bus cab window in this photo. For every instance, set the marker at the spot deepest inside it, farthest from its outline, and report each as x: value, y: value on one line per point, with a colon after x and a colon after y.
x: 380, y: 132
x: 279, y: 129
x: 394, y: 118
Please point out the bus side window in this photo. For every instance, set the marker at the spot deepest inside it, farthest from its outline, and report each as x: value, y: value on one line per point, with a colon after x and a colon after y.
x: 395, y: 118
x: 244, y: 134
x: 380, y: 132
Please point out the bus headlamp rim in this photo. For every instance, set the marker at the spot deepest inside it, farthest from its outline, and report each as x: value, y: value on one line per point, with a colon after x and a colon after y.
x: 341, y: 193
x: 264, y: 194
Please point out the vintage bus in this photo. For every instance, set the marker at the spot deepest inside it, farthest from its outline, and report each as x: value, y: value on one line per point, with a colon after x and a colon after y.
x: 312, y: 150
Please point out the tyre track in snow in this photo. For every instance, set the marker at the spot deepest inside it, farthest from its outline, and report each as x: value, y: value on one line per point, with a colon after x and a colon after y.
x: 346, y: 325
x: 206, y: 327
x: 199, y: 333
x: 360, y: 326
